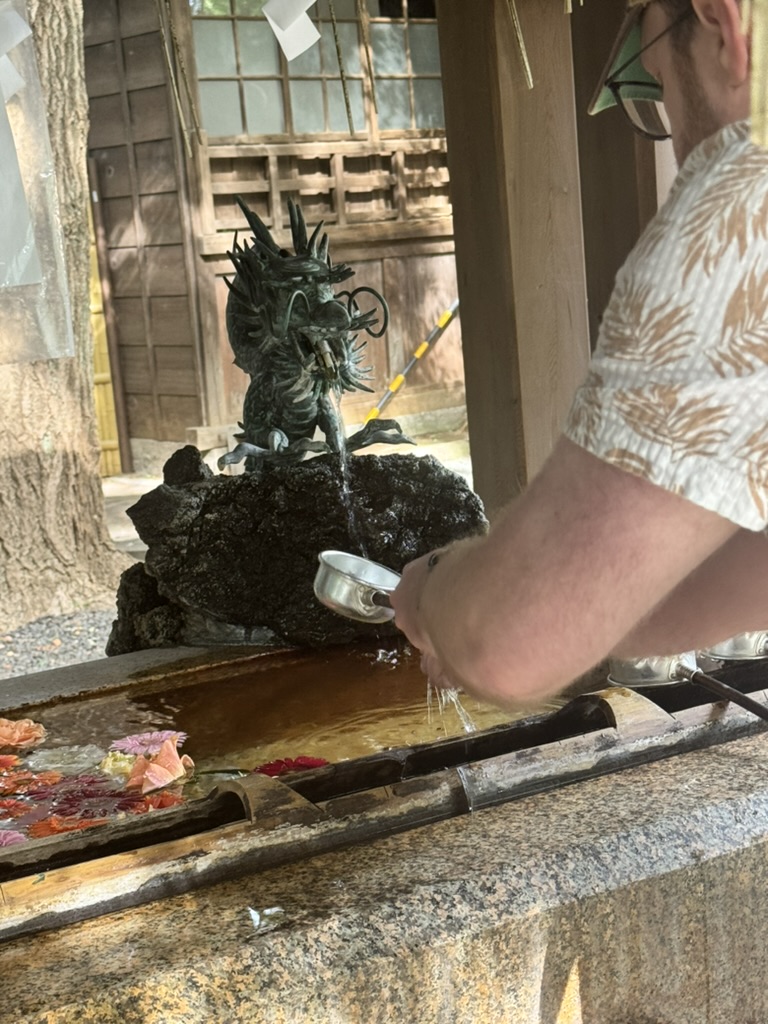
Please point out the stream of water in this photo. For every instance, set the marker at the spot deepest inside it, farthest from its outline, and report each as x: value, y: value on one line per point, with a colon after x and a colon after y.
x: 448, y: 699
x: 355, y: 532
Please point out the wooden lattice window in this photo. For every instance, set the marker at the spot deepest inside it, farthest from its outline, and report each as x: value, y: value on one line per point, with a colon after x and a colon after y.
x: 248, y: 90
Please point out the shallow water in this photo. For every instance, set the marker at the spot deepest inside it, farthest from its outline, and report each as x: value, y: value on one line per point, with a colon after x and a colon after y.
x: 337, y: 704
x: 332, y: 705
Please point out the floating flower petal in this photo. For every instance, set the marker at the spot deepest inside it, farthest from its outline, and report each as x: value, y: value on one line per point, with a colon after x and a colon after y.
x: 159, y: 801
x: 8, y: 837
x: 21, y: 733
x: 161, y: 770
x: 10, y: 808
x: 56, y: 825
x: 147, y: 743
x: 23, y: 781
x: 117, y: 763
x: 285, y: 766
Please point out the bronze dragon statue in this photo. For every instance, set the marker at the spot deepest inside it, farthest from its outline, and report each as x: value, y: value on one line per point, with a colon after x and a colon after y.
x: 298, y: 341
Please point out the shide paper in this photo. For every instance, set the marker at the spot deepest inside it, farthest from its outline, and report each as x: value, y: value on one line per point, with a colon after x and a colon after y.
x: 19, y: 262
x: 294, y: 29
x: 35, y: 320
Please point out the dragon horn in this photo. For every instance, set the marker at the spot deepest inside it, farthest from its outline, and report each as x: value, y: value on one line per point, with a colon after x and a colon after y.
x: 322, y: 251
x: 313, y: 240
x: 298, y: 228
x: 260, y: 232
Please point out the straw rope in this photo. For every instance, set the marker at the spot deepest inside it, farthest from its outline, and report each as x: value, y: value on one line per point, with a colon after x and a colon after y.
x: 342, y: 70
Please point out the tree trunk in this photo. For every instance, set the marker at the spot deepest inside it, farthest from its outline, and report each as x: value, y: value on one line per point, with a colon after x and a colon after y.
x: 55, y: 550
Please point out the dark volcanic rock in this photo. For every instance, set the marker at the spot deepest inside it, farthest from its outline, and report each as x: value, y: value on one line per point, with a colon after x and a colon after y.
x: 243, y: 549
x: 144, y: 617
x: 186, y: 467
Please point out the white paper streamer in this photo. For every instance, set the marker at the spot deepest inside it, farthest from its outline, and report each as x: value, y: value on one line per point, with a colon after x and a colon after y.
x: 297, y: 38
x: 285, y: 12
x: 10, y: 79
x: 19, y: 261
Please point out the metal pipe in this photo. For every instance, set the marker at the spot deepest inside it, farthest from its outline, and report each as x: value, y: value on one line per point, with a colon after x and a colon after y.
x: 723, y: 691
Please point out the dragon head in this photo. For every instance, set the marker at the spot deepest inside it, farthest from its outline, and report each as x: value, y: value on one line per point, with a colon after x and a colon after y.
x: 283, y: 306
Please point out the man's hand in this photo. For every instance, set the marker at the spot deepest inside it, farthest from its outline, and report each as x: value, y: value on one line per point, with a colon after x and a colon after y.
x: 406, y: 601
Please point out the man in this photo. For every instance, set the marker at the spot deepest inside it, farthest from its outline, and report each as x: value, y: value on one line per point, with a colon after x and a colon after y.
x: 643, y: 533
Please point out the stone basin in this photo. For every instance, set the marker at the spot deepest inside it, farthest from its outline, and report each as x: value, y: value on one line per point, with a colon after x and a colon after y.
x: 614, y: 875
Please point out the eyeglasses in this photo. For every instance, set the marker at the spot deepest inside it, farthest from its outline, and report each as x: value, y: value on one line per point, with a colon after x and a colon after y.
x: 639, y: 99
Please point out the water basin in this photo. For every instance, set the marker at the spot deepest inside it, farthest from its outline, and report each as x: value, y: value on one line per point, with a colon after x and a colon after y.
x: 336, y: 704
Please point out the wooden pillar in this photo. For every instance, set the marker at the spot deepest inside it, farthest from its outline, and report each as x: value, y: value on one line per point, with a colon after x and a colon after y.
x: 517, y: 221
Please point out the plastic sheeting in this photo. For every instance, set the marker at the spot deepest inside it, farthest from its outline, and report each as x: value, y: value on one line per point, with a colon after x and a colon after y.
x: 35, y: 319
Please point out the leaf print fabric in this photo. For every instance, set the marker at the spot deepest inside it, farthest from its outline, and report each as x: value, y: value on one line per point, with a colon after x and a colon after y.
x: 745, y: 327
x: 677, y: 391
x: 662, y: 337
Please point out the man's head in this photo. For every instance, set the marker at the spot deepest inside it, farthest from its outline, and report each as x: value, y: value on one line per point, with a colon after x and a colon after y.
x: 697, y: 52
x: 702, y: 65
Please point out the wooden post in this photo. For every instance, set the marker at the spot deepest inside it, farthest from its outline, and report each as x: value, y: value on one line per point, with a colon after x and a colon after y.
x: 513, y: 162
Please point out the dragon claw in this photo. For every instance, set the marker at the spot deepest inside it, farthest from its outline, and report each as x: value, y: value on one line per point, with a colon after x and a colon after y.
x: 244, y: 450
x: 279, y: 448
x: 377, y: 432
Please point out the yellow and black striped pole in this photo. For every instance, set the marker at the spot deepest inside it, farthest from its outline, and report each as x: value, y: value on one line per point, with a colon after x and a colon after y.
x: 449, y: 315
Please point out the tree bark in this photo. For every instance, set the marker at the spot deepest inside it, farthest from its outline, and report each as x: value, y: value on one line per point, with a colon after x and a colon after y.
x: 55, y: 551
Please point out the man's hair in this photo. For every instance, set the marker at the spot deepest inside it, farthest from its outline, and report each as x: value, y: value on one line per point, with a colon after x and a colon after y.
x: 681, y: 34
x: 676, y: 8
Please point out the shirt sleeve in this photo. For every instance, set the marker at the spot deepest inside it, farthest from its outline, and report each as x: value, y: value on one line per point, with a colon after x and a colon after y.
x: 677, y: 391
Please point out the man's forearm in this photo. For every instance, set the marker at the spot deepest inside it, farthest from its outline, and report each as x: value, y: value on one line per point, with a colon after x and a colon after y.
x: 726, y: 595
x: 568, y: 571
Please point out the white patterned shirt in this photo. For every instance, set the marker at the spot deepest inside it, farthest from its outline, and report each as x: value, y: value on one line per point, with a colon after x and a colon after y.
x: 677, y: 390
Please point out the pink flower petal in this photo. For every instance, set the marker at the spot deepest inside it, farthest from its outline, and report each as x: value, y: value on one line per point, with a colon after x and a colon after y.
x: 161, y: 770
x: 147, y: 743
x: 8, y: 837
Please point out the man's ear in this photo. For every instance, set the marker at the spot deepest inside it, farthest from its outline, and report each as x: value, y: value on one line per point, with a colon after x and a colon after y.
x: 723, y: 20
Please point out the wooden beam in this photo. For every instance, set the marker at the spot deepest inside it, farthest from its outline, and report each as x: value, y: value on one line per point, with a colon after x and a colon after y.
x: 370, y: 235
x: 513, y: 161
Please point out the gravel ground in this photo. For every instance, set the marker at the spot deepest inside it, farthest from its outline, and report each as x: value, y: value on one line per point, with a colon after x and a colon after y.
x: 54, y: 641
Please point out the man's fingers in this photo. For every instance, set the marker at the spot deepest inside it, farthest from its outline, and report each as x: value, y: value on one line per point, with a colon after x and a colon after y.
x: 433, y: 670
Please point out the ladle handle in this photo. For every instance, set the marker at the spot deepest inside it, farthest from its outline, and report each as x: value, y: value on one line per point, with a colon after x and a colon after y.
x: 724, y: 691
x: 381, y: 599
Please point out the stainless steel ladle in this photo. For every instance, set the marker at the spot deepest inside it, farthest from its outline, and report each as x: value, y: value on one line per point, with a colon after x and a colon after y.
x: 355, y: 587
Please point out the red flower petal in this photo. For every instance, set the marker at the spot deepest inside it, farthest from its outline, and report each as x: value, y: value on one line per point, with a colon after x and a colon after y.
x: 156, y: 801
x: 10, y: 808
x: 302, y: 762
x: 55, y: 825
x: 285, y: 766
